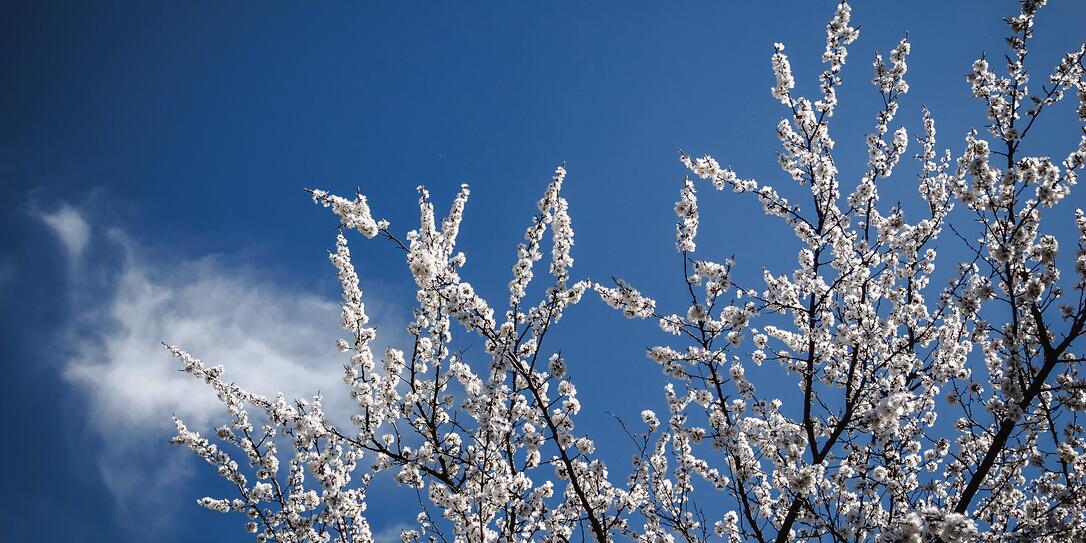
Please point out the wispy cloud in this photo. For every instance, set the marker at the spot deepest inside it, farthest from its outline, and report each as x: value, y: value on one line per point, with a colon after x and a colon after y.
x: 70, y: 229
x: 390, y: 534
x: 270, y: 337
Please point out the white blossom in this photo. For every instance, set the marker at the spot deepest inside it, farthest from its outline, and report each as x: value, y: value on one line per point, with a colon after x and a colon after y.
x: 911, y: 411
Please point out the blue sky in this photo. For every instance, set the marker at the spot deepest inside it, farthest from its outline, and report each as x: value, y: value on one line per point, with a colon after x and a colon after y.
x: 153, y: 156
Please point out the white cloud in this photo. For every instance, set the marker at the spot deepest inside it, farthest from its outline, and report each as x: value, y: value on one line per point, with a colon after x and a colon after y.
x: 70, y: 228
x: 270, y: 337
x: 390, y: 534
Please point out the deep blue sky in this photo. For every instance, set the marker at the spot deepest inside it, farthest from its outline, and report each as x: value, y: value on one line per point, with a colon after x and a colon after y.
x: 183, y: 134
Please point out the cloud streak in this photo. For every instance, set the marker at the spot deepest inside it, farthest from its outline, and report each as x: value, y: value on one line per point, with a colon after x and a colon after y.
x: 271, y: 338
x: 70, y: 229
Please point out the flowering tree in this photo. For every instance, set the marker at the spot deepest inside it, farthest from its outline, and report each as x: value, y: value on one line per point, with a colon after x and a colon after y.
x: 923, y: 415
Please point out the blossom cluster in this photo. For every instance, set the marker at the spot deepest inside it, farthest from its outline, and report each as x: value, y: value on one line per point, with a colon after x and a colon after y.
x: 921, y: 412
x: 868, y: 449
